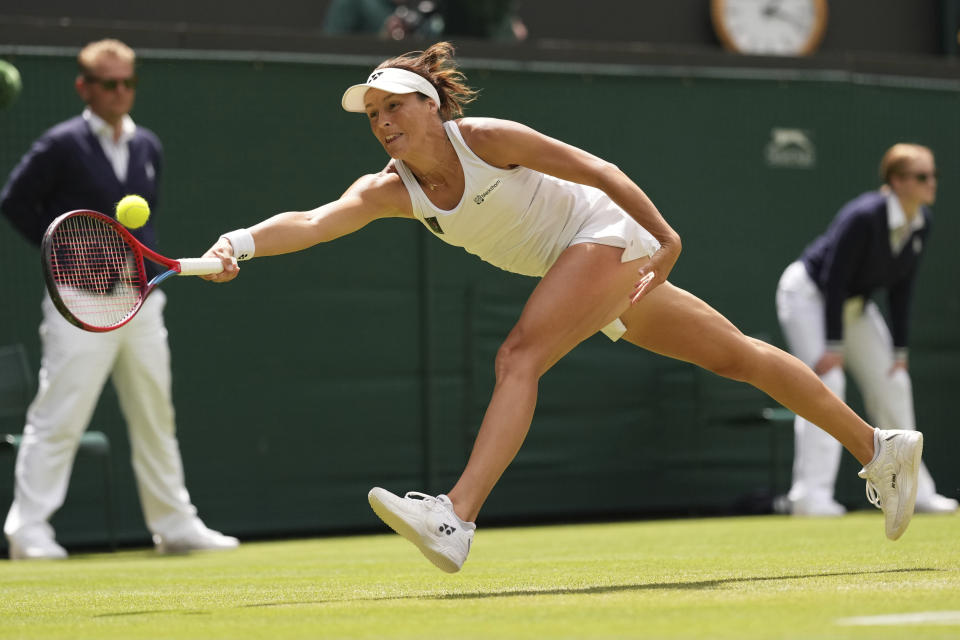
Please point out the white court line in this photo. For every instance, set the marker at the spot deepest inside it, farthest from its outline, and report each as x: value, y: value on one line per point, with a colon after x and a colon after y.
x: 919, y: 617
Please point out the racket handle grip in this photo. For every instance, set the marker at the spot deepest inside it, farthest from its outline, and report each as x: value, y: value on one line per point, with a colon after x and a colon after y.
x: 199, y: 266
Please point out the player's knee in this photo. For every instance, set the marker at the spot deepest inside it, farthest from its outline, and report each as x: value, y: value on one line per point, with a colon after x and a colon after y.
x: 515, y: 359
x: 743, y: 363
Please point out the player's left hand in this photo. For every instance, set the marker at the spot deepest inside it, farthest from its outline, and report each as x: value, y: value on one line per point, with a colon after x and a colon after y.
x: 656, y: 270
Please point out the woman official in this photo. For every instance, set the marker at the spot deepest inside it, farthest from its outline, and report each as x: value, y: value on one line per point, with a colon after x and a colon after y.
x: 825, y: 306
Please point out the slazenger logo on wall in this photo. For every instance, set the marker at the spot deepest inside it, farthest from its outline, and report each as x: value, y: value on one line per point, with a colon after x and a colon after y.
x: 791, y: 148
x: 483, y: 196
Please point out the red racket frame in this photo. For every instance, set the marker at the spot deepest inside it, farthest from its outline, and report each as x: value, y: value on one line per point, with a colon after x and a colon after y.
x: 139, y: 251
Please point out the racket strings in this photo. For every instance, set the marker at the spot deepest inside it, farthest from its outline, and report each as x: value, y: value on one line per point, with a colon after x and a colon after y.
x: 96, y: 272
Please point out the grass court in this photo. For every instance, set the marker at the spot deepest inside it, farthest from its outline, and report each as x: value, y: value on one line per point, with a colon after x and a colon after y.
x: 740, y: 578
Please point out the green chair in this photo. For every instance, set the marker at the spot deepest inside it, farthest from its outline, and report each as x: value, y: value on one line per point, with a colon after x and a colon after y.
x: 16, y: 392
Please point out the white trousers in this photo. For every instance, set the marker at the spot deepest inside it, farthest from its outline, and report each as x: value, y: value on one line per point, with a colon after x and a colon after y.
x: 868, y: 356
x: 74, y: 367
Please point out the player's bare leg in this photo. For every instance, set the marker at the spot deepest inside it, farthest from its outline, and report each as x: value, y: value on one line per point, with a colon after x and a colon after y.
x: 586, y: 289
x: 677, y: 324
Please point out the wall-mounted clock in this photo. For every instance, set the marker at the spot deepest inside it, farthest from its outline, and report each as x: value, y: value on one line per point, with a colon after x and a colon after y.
x: 770, y: 27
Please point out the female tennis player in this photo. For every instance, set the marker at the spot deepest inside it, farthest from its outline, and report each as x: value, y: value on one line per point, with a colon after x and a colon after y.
x: 535, y: 206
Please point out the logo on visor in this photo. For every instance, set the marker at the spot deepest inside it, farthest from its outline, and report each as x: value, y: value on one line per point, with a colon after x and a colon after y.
x: 374, y: 76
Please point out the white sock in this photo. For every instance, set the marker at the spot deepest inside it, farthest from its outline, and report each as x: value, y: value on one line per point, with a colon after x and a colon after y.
x: 876, y: 446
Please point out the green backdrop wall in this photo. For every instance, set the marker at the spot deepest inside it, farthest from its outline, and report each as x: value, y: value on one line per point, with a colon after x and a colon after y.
x: 369, y: 361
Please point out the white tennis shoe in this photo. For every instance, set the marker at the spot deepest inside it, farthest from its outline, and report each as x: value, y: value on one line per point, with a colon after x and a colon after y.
x: 427, y: 522
x: 196, y: 537
x: 936, y: 504
x: 35, y: 543
x: 892, y: 477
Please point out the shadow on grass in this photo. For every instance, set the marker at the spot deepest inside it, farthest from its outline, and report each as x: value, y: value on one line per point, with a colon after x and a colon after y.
x: 649, y: 586
x: 478, y: 595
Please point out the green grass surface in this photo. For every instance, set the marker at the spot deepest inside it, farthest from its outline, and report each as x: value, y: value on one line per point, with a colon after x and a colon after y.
x: 742, y: 578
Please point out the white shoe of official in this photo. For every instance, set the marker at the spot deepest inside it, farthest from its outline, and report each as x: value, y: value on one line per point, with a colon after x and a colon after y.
x: 892, y: 477
x: 427, y: 522
x: 817, y: 508
x: 34, y: 544
x: 936, y: 503
x: 196, y: 538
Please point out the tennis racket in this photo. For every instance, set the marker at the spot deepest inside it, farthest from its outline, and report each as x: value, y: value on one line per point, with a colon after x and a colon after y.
x: 94, y: 270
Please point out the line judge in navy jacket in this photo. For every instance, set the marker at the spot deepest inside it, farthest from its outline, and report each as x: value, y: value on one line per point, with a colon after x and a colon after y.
x: 90, y: 162
x: 830, y: 321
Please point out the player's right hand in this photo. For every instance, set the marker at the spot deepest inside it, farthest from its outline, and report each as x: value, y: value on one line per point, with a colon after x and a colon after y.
x: 224, y: 250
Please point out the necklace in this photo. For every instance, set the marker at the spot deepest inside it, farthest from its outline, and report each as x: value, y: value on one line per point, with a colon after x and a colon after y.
x: 430, y: 184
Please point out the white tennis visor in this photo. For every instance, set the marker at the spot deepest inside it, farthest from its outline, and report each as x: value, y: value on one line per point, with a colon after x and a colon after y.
x: 390, y: 79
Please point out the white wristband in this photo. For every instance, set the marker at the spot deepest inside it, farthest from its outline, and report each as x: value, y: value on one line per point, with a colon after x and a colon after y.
x: 242, y: 242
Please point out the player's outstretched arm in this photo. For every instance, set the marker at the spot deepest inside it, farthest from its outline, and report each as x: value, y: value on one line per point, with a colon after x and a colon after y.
x: 370, y: 198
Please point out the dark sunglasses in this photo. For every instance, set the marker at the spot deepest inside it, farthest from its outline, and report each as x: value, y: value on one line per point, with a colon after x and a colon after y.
x: 111, y: 84
x: 924, y: 177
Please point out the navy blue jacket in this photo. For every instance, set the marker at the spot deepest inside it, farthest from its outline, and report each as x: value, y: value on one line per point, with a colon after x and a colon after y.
x: 66, y: 169
x: 853, y: 258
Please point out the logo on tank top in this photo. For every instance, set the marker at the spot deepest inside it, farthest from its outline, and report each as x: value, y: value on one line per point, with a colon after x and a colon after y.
x: 434, y: 225
x: 483, y: 196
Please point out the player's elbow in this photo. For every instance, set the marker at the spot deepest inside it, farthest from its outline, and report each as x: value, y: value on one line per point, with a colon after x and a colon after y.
x: 673, y: 239
x: 606, y: 174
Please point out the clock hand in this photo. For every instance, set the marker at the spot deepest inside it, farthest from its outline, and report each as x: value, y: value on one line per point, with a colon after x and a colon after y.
x: 771, y: 9
x: 788, y: 18
x: 774, y: 10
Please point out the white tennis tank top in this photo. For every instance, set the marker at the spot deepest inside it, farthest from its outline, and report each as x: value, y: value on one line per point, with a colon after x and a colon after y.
x: 521, y: 220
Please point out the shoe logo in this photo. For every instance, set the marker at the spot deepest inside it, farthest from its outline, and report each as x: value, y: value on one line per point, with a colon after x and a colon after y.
x: 893, y: 481
x: 447, y: 529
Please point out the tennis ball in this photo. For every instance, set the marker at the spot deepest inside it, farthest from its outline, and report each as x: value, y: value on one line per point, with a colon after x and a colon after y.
x: 133, y: 211
x: 10, y: 84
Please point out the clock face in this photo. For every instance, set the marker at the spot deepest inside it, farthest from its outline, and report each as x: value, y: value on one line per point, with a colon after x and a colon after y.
x: 770, y: 27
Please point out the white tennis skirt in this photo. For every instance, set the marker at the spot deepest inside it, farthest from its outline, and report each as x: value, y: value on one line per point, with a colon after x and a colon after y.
x: 615, y: 228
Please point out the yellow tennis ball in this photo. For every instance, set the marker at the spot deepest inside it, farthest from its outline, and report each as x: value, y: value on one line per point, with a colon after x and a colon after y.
x: 133, y: 212
x: 10, y: 84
